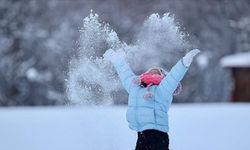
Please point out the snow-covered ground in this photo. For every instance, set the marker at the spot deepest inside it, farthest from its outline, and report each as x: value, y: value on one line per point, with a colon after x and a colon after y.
x: 192, y: 127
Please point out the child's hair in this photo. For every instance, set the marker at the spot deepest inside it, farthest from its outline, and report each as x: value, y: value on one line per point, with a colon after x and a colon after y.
x: 143, y: 84
x: 160, y: 70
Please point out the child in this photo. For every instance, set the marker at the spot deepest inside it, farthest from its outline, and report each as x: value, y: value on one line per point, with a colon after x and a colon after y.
x: 149, y: 100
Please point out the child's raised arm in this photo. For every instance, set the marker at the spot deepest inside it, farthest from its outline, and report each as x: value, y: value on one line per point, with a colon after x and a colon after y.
x: 173, y: 78
x: 125, y: 73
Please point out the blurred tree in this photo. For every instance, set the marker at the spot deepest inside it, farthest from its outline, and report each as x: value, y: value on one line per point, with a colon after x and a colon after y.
x: 33, y: 53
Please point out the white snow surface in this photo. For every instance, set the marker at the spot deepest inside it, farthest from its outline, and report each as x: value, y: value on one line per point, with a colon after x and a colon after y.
x: 192, y: 127
x: 236, y: 60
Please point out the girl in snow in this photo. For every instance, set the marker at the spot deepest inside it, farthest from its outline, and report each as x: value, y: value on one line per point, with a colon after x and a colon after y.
x: 150, y: 96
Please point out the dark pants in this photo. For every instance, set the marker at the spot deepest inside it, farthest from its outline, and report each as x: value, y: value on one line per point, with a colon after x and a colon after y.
x: 152, y: 140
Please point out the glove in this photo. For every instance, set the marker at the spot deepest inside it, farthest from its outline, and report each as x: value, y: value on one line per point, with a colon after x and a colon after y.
x: 188, y: 58
x: 113, y: 40
x: 113, y: 56
x: 109, y: 55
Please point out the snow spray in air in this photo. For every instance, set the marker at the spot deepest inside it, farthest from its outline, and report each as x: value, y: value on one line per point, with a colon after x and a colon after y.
x: 91, y: 80
x: 159, y: 42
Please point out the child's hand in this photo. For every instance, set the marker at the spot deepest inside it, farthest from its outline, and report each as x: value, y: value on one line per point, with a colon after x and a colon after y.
x: 188, y: 58
x: 113, y: 56
x: 109, y: 55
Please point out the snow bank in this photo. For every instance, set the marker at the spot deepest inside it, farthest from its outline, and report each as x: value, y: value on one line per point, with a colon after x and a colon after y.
x: 236, y: 60
x: 192, y: 127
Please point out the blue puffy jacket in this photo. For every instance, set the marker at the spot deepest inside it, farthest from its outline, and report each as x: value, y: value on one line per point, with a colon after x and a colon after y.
x: 149, y: 114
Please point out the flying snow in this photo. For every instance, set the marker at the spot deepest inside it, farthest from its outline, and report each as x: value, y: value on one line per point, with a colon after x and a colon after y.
x: 92, y: 80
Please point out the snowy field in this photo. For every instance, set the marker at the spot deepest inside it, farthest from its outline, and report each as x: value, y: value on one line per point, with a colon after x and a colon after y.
x: 192, y: 127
